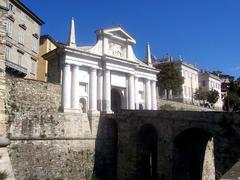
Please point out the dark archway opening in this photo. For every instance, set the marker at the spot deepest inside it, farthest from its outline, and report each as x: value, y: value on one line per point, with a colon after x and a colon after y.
x: 188, y: 154
x: 147, y: 153
x: 83, y: 105
x: 116, y: 102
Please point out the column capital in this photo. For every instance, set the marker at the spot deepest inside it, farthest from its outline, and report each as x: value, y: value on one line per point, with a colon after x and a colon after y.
x: 146, y: 80
x: 130, y: 74
x: 92, y: 69
x: 67, y: 64
x: 75, y: 66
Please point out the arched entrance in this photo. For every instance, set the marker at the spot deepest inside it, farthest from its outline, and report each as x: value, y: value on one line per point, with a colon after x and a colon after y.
x: 83, y: 105
x: 189, y: 151
x: 147, y: 153
x: 116, y: 102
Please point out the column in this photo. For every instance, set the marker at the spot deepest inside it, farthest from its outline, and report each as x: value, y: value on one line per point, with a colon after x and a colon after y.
x: 100, y: 90
x: 154, y: 97
x: 136, y: 93
x: 148, y: 98
x: 106, y: 91
x: 75, y: 87
x: 66, y: 86
x: 131, y: 91
x: 93, y: 90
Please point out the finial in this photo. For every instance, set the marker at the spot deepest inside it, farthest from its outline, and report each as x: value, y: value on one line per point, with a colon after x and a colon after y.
x: 72, y: 36
x: 148, y: 56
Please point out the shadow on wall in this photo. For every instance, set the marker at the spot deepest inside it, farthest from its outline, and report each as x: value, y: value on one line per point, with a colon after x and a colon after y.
x: 106, y: 148
x: 196, y: 153
x: 188, y: 154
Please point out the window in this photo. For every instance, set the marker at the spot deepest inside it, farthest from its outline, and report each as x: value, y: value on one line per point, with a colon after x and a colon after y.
x: 203, y: 83
x: 21, y: 36
x: 33, y: 66
x: 35, y: 27
x: 20, y: 56
x: 50, y: 46
x: 83, y: 88
x: 9, y: 28
x: 8, y: 55
x: 141, y: 95
x: 185, y: 91
x: 11, y: 7
x: 23, y: 16
x: 34, y: 44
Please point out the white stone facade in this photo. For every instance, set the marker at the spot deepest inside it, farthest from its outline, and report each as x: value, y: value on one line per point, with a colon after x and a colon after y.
x: 190, y: 85
x: 104, y: 77
x: 208, y: 81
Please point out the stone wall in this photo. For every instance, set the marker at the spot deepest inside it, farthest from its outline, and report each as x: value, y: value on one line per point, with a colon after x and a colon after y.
x: 2, y: 71
x: 174, y: 105
x: 210, y: 139
x: 5, y: 164
x: 49, y: 144
x: 52, y: 159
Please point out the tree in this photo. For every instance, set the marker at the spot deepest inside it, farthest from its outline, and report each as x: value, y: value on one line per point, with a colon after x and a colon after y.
x: 169, y: 77
x: 232, y: 100
x: 212, y: 96
x: 200, y: 95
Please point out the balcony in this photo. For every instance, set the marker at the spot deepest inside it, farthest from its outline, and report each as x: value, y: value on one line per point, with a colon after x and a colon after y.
x: 15, y: 69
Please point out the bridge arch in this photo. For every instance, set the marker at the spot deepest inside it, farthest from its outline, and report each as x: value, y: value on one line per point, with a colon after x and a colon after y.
x: 147, y: 148
x: 193, y: 155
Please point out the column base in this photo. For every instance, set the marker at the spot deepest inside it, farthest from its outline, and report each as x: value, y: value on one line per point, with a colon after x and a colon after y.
x: 70, y: 110
x: 93, y: 112
x: 107, y: 112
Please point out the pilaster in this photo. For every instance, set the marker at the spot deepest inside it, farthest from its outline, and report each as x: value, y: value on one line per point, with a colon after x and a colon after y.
x: 93, y: 90
x: 100, y: 90
x: 136, y: 93
x: 154, y: 99
x: 148, y: 98
x: 67, y: 87
x: 107, y: 91
x: 75, y: 88
x: 131, y: 91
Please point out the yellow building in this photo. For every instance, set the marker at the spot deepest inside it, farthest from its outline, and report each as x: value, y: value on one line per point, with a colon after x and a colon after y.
x: 47, y: 43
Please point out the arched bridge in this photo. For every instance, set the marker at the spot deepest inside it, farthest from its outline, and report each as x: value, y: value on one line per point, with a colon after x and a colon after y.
x: 168, y: 145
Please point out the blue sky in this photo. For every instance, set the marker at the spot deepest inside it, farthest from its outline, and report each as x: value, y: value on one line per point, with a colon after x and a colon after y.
x: 204, y: 32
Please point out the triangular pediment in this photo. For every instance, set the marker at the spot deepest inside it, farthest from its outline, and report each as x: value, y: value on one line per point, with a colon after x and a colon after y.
x: 118, y: 32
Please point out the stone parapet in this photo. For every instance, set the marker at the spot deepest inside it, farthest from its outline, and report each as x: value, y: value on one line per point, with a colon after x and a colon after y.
x: 174, y: 105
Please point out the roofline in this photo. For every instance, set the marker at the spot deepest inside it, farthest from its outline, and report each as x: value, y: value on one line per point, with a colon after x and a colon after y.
x: 19, y: 4
x: 47, y: 36
x: 101, y: 30
x: 210, y: 75
x: 186, y: 64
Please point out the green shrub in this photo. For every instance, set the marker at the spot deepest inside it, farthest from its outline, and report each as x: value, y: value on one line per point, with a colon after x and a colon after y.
x: 3, y: 175
x: 167, y: 107
x: 33, y: 178
x: 43, y: 135
x: 60, y: 109
x: 59, y: 178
